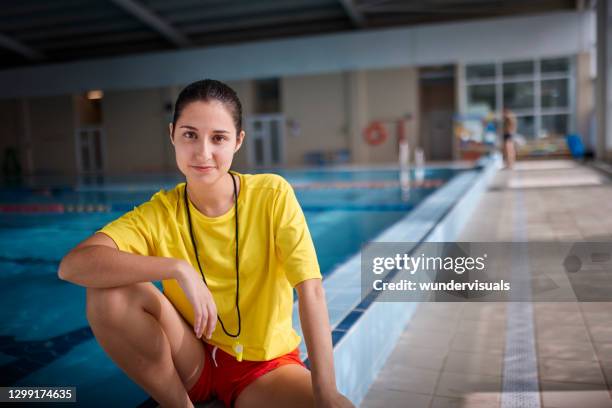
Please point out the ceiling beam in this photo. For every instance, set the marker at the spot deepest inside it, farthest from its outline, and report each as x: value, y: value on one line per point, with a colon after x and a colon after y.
x: 100, y: 28
x: 19, y: 48
x: 318, y: 16
x: 238, y: 10
x: 148, y: 17
x: 355, y: 15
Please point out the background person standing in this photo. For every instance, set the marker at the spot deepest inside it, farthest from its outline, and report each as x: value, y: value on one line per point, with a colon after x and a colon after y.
x: 509, y: 130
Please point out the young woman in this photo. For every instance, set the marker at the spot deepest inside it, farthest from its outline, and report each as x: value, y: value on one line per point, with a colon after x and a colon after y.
x: 229, y: 248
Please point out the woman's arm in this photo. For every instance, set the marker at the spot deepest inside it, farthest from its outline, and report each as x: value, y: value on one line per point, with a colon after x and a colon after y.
x: 98, y: 263
x: 317, y: 334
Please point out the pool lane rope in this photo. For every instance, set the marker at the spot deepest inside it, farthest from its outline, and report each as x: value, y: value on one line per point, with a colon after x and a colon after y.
x: 53, y: 208
x: 365, y: 184
x: 59, y: 208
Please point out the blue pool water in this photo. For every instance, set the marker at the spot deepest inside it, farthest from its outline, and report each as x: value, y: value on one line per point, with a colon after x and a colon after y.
x: 44, y: 336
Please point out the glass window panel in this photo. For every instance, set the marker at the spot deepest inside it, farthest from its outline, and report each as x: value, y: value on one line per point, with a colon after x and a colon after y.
x: 555, y: 65
x: 98, y: 150
x: 275, y: 142
x: 480, y: 96
x: 259, y: 152
x: 518, y: 95
x: 511, y: 69
x: 481, y: 71
x: 267, y: 95
x: 526, y: 126
x: 554, y: 125
x: 554, y: 93
x: 85, y: 157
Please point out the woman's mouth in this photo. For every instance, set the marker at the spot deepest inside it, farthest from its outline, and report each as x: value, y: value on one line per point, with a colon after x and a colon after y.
x: 203, y: 169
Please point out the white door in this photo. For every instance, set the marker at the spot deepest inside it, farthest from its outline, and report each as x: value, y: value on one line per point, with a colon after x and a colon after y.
x: 90, y: 150
x: 265, y: 137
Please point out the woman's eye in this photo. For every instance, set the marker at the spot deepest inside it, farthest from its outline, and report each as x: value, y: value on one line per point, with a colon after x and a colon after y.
x: 218, y: 138
x: 190, y: 135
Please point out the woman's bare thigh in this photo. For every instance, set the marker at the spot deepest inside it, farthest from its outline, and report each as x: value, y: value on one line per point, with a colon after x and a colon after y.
x: 188, y: 352
x: 289, y: 385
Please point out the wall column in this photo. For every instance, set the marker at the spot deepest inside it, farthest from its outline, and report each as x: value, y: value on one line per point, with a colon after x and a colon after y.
x: 357, y: 114
x: 604, y: 81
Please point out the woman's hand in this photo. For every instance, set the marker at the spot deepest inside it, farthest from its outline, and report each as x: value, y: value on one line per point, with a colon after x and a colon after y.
x: 204, y: 308
x: 335, y: 400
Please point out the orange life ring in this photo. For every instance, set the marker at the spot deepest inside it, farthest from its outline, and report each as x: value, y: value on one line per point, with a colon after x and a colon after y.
x: 375, y: 134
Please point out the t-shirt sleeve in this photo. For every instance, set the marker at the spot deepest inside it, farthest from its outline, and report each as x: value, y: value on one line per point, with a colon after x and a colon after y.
x: 293, y: 242
x: 137, y: 231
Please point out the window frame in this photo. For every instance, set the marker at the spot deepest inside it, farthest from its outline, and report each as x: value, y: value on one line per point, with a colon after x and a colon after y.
x: 537, y: 111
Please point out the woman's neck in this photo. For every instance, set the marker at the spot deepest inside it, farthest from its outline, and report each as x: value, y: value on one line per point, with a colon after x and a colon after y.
x: 215, y: 199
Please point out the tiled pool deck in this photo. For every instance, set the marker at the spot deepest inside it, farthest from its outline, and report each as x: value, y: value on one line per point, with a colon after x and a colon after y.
x: 455, y: 354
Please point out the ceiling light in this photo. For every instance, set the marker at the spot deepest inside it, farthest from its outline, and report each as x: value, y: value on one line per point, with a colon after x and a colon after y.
x: 95, y: 94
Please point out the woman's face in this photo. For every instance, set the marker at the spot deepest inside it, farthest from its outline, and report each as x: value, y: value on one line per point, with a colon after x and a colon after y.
x: 205, y: 141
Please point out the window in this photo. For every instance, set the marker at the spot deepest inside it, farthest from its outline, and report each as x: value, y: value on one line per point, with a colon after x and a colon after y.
x: 556, y: 65
x: 267, y: 95
x: 481, y: 96
x: 554, y: 93
x: 539, y: 92
x: 525, y: 125
x: 513, y: 69
x: 481, y: 71
x: 518, y: 95
x: 554, y: 125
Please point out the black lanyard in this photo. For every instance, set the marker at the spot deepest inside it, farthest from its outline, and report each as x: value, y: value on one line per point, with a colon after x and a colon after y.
x: 195, y: 247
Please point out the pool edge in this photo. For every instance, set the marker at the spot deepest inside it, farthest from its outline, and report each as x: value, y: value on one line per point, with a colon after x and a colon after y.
x: 365, y: 346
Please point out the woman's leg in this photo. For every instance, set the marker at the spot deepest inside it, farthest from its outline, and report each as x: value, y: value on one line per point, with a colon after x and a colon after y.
x: 510, y: 153
x: 505, y: 152
x: 289, y: 385
x: 148, y: 339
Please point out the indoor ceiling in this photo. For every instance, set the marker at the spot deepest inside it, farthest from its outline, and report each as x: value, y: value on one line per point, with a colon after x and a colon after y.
x: 45, y: 31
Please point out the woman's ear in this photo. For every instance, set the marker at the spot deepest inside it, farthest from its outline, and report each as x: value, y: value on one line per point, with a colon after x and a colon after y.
x: 239, y: 140
x: 170, y: 129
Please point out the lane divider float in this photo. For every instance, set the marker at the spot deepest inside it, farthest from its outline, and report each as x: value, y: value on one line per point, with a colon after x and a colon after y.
x: 54, y: 208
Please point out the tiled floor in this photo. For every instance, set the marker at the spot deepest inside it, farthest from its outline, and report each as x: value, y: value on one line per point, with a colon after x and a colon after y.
x: 452, y: 354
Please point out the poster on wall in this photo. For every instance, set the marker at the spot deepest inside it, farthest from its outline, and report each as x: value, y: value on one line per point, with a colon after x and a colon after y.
x: 476, y: 135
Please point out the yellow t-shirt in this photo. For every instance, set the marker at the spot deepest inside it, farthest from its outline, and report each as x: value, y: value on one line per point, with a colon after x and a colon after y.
x: 276, y: 253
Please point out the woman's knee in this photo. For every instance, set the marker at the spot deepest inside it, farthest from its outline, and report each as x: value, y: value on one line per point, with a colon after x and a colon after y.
x: 108, y: 305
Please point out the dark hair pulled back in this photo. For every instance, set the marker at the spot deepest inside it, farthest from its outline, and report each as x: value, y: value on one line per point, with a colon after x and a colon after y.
x: 208, y: 90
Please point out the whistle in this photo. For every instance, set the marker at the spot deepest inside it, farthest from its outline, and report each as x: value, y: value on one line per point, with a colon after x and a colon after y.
x: 238, y: 350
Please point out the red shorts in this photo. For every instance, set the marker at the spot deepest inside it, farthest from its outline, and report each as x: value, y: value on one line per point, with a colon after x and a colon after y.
x: 225, y: 378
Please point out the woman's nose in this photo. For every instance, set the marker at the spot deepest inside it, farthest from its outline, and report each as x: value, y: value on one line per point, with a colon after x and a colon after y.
x: 204, y: 150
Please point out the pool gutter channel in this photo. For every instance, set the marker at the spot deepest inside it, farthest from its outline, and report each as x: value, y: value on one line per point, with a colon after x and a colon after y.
x: 364, y: 331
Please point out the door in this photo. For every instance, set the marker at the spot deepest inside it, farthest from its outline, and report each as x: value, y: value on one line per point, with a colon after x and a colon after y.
x: 439, y: 125
x: 437, y: 103
x: 265, y: 140
x: 90, y: 150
